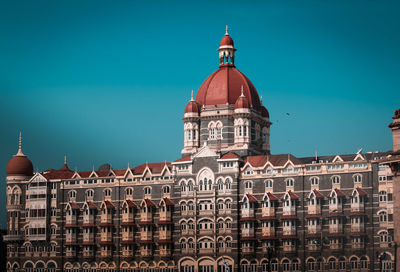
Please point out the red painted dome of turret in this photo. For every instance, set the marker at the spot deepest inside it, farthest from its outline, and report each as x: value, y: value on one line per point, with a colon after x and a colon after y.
x: 19, y: 165
x: 264, y: 112
x: 226, y: 40
x: 224, y: 86
x: 242, y: 103
x: 192, y: 107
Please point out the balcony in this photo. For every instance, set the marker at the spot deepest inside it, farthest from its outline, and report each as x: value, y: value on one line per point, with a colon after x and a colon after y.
x: 360, y: 245
x: 106, y: 220
x: 335, y: 208
x: 314, y: 209
x: 88, y: 238
x: 247, y: 213
x: 335, y: 228
x: 165, y: 252
x: 127, y: 251
x: 146, y: 235
x: 89, y: 221
x: 313, y: 229
x: 70, y: 252
x: 336, y: 246
x: 146, y: 252
x: 268, y: 212
x: 206, y: 250
x: 106, y: 238
x: 88, y: 252
x: 289, y: 248
x: 357, y: 207
x: 289, y: 210
x: 71, y: 238
x: 128, y: 236
x: 146, y: 217
x: 247, y: 232
x: 187, y: 251
x: 128, y: 217
x: 165, y: 235
x: 105, y: 252
x: 206, y: 231
x: 71, y: 221
x: 357, y: 228
x: 268, y: 231
x: 13, y: 237
x: 165, y: 216
x: 206, y: 212
x: 289, y: 231
x: 313, y: 247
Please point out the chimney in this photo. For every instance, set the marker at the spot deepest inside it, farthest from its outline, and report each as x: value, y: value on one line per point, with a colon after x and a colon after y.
x: 395, y: 127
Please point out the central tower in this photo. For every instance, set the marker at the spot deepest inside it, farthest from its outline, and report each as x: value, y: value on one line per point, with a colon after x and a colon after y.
x: 227, y: 114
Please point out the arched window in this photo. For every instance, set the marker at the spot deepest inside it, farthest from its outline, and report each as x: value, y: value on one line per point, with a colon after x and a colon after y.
x: 335, y: 180
x: 295, y: 265
x: 190, y: 186
x: 357, y: 178
x: 183, y: 206
x: 72, y: 194
x: 129, y: 191
x: 166, y: 189
x: 248, y: 185
x: 268, y: 183
x: 382, y: 216
x: 289, y: 182
x: 220, y: 205
x: 342, y: 263
x: 89, y: 193
x: 190, y: 243
x: 311, y: 264
x: 147, y: 190
x: 228, y: 204
x: 382, y: 196
x: 228, y: 224
x: 363, y: 262
x: 383, y: 237
x: 107, y: 192
x: 286, y: 265
x: 190, y: 206
x: 354, y: 263
x: 314, y: 181
x: 220, y: 185
x: 183, y: 187
x: 332, y: 264
x: 227, y: 184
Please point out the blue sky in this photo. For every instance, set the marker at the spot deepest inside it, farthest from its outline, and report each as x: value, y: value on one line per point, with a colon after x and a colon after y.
x: 107, y: 81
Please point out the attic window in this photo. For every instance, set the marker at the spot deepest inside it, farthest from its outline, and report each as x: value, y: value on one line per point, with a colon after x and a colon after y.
x: 227, y: 164
x: 290, y: 170
x: 248, y: 171
x: 313, y: 168
x: 358, y: 165
x: 335, y: 166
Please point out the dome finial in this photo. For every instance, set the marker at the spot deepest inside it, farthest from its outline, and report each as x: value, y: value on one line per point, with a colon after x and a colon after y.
x: 226, y: 30
x: 241, y: 90
x: 191, y: 98
x: 65, y: 159
x: 19, y: 153
x: 261, y: 99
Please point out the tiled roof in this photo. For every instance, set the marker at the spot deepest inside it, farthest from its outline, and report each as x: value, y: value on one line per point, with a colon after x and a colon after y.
x: 168, y: 201
x: 92, y: 205
x: 74, y: 206
x: 155, y: 167
x: 339, y: 193
x: 58, y: 174
x: 275, y: 160
x: 183, y: 159
x: 272, y: 197
x: 109, y: 204
x: 361, y: 192
x: 318, y: 194
x: 291, y: 195
x: 149, y: 203
x: 131, y: 204
x: 251, y: 198
x: 230, y: 155
x: 119, y: 172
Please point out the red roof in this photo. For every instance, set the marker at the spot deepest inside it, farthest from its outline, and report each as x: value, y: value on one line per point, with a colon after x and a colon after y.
x: 336, y: 214
x: 251, y: 198
x: 109, y: 204
x: 119, y: 172
x: 146, y: 241
x: 270, y: 237
x: 242, y: 103
x: 168, y: 201
x: 128, y: 242
x: 266, y: 218
x: 155, y: 167
x: 192, y: 107
x: 226, y: 40
x: 184, y: 159
x: 131, y: 204
x: 63, y: 173
x: 163, y: 222
x: 336, y: 234
x: 71, y: 225
x: 146, y: 223
x: 291, y: 195
x: 165, y: 241
x: 74, y: 206
x: 358, y: 234
x: 338, y: 193
x: 289, y: 236
x: 106, y: 243
x: 276, y: 160
x: 289, y: 217
x: 314, y: 235
x: 358, y: 213
x: 128, y: 224
x: 89, y: 225
x: 264, y: 112
x: 229, y: 155
x: 224, y: 87
x: 318, y: 194
x: 19, y: 165
x: 92, y: 206
x: 149, y: 203
x: 361, y: 192
x: 103, y: 173
x: 88, y: 243
x: 84, y: 174
x: 317, y: 215
x: 272, y: 197
x: 106, y: 224
x: 248, y: 239
x: 243, y: 219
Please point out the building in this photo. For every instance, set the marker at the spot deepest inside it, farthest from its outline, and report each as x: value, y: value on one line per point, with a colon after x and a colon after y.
x: 226, y: 203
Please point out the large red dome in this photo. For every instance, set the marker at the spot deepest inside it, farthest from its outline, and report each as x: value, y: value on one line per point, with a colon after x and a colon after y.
x: 224, y: 86
x: 19, y: 165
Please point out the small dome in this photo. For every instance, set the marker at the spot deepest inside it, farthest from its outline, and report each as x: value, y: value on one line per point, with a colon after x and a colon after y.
x: 242, y: 103
x: 19, y: 165
x: 264, y: 112
x: 226, y: 41
x: 192, y: 107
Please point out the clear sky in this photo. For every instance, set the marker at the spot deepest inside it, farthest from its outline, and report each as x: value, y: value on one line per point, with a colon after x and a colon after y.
x: 107, y: 81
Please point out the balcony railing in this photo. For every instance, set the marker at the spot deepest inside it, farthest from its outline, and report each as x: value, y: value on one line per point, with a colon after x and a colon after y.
x: 268, y: 211
x: 249, y: 232
x: 165, y: 235
x: 289, y: 210
x: 106, y: 219
x: 313, y: 229
x: 314, y: 209
x: 206, y: 250
x: 146, y: 252
x: 165, y: 216
x: 106, y: 238
x: 268, y: 231
x: 165, y: 252
x: 13, y: 237
x: 247, y: 213
x: 289, y: 230
x: 146, y: 235
x: 357, y: 228
x: 357, y: 207
x: 146, y: 216
x: 336, y: 228
x: 289, y: 248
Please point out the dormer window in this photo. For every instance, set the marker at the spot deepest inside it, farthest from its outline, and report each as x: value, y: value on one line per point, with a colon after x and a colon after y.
x: 335, y: 180
x: 147, y: 190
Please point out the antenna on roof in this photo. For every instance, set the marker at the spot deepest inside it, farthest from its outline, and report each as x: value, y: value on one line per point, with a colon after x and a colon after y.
x: 316, y: 155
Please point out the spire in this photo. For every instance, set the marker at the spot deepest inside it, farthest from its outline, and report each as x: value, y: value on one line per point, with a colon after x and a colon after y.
x: 19, y: 153
x: 65, y: 160
x: 191, y: 98
x: 226, y: 30
x: 241, y: 90
x: 261, y: 100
